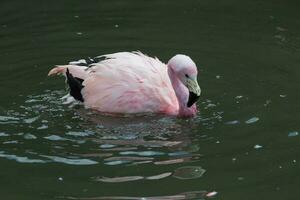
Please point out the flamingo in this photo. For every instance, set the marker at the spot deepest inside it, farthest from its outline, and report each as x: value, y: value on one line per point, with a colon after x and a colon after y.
x: 134, y: 83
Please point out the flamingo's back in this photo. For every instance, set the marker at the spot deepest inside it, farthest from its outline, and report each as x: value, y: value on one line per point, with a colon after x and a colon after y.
x: 126, y: 83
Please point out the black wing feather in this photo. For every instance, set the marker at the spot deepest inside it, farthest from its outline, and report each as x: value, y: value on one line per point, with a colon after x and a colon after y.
x: 75, y: 85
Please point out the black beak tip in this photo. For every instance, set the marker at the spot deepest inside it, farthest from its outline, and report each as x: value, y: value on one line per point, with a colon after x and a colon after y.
x: 192, y: 99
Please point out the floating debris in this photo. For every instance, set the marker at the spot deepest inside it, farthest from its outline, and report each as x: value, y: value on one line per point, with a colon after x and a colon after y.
x: 79, y: 33
x: 257, y: 146
x: 189, y: 172
x: 282, y: 95
x: 211, y: 194
x: 239, y: 97
x: 293, y: 134
x: 252, y: 120
x: 60, y: 179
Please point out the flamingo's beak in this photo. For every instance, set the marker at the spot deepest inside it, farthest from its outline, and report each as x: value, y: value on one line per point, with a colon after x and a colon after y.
x: 194, y: 91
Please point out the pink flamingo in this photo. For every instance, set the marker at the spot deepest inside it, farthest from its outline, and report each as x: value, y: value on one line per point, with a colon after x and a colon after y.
x: 134, y: 83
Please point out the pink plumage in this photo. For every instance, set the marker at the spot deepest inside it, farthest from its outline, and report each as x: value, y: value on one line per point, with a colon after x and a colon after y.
x: 134, y: 83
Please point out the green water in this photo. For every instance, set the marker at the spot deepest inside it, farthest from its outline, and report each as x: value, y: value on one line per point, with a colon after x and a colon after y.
x: 243, y: 144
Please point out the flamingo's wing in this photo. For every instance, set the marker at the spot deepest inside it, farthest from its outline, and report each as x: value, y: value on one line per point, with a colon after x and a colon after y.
x: 129, y: 83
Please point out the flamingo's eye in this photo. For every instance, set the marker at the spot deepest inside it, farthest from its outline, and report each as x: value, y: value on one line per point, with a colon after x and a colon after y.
x: 186, y: 75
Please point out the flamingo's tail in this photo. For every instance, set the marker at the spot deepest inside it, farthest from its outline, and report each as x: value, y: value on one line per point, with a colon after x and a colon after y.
x: 58, y: 70
x: 75, y: 70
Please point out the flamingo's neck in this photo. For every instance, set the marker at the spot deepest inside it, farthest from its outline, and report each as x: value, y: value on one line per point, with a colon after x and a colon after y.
x: 182, y: 95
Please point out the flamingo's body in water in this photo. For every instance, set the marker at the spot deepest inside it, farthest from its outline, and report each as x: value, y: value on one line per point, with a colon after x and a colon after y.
x: 133, y: 83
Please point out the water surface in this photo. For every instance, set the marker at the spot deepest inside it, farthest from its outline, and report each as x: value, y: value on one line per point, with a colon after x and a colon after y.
x: 242, y: 145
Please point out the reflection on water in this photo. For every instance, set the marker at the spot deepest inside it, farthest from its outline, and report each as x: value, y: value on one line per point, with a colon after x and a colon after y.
x: 199, y: 195
x: 91, y: 139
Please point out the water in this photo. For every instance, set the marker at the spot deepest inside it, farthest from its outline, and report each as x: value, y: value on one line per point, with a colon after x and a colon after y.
x: 242, y: 144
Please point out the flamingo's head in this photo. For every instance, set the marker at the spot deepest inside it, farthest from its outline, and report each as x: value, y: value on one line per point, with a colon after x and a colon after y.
x: 186, y: 71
